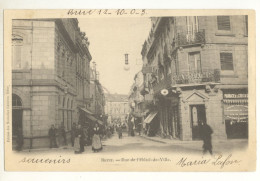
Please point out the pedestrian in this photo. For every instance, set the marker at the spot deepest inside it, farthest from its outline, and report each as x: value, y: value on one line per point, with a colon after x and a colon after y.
x: 77, y: 140
x: 119, y: 131
x: 132, y: 132
x: 81, y: 138
x: 139, y: 126
x: 108, y: 132
x: 96, y: 141
x: 63, y: 133
x: 206, y: 132
x: 19, y: 139
x: 85, y: 132
x: 52, y: 137
x: 73, y: 132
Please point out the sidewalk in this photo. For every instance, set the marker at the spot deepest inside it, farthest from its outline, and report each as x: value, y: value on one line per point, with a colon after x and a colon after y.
x: 177, y: 141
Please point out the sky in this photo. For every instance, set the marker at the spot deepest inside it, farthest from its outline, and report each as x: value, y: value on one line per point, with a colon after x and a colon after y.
x: 110, y: 39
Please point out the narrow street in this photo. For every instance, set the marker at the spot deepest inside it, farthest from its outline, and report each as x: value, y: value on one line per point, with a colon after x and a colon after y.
x: 142, y: 144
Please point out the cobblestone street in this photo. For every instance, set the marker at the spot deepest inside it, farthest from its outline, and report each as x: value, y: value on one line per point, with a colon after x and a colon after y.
x: 142, y: 144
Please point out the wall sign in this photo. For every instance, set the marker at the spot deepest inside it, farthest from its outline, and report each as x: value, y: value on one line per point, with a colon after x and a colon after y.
x: 237, y: 112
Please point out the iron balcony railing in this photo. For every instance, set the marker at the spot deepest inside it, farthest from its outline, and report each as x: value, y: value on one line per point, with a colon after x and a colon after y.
x: 190, y: 38
x: 194, y: 77
x: 186, y: 77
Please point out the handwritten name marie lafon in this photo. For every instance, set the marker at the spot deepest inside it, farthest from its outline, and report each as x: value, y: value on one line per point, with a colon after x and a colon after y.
x: 219, y: 161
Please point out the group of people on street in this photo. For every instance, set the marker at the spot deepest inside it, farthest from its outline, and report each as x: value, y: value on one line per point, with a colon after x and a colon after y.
x: 80, y: 137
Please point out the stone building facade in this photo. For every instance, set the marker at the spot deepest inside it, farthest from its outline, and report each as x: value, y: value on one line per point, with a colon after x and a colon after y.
x: 136, y: 98
x: 196, y: 69
x: 97, y: 96
x: 117, y: 107
x: 50, y: 77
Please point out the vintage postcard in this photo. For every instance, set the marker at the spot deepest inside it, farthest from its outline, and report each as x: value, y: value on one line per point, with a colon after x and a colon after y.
x: 129, y: 90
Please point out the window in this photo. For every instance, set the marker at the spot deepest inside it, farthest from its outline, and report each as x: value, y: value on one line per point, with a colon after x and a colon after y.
x: 192, y: 27
x: 223, y: 23
x: 16, y: 101
x: 226, y: 61
x: 17, y: 54
x: 17, y: 43
x: 194, y: 62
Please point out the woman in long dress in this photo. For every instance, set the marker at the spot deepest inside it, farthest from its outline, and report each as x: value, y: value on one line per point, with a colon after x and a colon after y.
x: 96, y: 141
x: 77, y: 141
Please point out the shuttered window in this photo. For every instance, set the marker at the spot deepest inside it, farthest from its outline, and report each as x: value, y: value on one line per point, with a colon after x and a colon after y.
x: 226, y: 61
x: 223, y: 22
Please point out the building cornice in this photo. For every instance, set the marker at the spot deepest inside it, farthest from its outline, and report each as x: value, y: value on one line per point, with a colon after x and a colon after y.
x: 66, y: 35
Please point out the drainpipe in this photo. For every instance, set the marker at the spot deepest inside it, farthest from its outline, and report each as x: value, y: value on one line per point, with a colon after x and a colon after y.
x: 31, y: 96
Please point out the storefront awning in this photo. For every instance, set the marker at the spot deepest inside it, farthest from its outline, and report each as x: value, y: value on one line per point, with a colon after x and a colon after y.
x: 235, y: 101
x: 87, y: 111
x: 94, y: 119
x: 150, y: 117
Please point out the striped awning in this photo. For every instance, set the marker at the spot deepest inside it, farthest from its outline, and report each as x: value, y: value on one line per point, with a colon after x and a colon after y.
x: 150, y: 117
x: 235, y: 101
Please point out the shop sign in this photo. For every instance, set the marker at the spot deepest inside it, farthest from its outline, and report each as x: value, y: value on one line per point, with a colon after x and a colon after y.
x: 237, y: 112
x: 235, y: 96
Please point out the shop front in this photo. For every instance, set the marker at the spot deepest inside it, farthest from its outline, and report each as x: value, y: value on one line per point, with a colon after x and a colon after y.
x: 168, y: 114
x: 236, y: 113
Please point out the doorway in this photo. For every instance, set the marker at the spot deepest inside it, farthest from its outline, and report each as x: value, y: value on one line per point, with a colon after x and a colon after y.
x: 198, y: 116
x: 17, y: 121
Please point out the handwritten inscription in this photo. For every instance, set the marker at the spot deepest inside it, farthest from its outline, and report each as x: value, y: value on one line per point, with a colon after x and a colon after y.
x: 219, y: 161
x: 118, y: 12
x: 59, y: 160
x: 185, y: 162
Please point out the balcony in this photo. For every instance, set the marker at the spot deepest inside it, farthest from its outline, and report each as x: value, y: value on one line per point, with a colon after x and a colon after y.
x: 195, y: 77
x: 186, y: 39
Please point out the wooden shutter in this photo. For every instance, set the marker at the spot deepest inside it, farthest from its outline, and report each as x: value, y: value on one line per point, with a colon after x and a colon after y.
x: 223, y: 22
x: 226, y: 60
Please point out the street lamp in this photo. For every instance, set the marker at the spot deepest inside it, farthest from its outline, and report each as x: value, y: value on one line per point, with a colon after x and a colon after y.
x: 126, y: 66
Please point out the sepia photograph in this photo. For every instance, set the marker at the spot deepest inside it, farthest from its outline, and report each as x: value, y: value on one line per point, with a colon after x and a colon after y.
x: 126, y: 89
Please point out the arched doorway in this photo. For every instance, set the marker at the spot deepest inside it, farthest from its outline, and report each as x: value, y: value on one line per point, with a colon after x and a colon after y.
x: 17, y: 122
